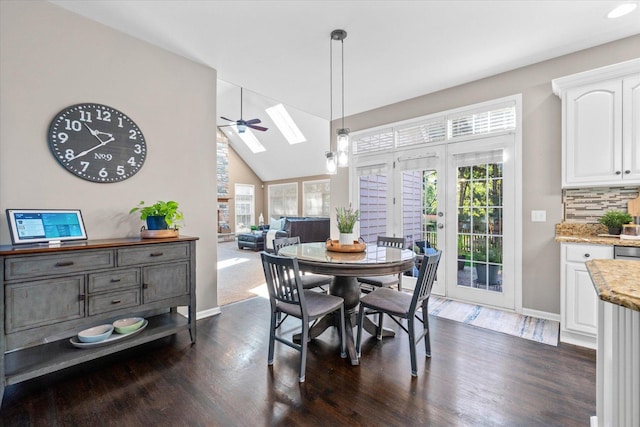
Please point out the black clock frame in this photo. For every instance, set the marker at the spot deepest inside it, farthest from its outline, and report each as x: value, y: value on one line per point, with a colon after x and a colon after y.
x: 97, y: 143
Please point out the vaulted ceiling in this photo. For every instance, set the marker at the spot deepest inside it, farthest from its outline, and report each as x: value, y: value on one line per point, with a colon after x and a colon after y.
x: 395, y: 50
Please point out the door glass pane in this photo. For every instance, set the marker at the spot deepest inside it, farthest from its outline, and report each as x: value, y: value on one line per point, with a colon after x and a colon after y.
x: 373, y: 206
x: 480, y: 213
x: 420, y: 209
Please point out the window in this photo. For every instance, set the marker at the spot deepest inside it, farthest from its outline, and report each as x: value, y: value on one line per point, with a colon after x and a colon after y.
x: 316, y: 198
x: 245, y: 207
x: 283, y: 200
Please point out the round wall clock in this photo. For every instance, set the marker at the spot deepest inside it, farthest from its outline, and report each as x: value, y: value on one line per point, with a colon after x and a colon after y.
x: 97, y: 143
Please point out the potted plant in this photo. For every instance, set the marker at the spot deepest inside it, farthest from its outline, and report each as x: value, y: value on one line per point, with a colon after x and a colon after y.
x: 494, y: 257
x: 161, y: 215
x: 614, y: 220
x: 346, y: 218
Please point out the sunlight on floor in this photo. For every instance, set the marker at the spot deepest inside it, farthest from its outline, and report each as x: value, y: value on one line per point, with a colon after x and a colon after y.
x: 231, y: 262
x: 260, y: 291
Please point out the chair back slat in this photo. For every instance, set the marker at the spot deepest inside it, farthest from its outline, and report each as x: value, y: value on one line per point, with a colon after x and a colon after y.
x: 426, y: 277
x: 283, y: 279
x: 281, y: 242
x: 391, y: 242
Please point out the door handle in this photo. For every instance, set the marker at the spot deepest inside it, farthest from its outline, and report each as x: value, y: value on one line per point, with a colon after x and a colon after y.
x: 440, y: 225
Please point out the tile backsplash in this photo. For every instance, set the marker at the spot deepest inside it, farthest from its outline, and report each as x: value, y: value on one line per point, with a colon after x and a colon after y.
x: 588, y: 204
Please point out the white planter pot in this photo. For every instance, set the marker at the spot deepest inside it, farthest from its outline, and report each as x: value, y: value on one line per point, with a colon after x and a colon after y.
x: 347, y: 238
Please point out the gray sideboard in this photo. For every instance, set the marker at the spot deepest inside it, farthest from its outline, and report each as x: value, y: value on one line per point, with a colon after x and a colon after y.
x: 52, y: 293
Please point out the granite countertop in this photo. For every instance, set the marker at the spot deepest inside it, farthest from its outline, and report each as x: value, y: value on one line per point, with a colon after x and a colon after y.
x: 595, y: 234
x: 616, y: 281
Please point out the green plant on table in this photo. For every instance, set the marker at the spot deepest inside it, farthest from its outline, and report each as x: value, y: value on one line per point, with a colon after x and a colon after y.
x: 346, y: 218
x: 169, y: 210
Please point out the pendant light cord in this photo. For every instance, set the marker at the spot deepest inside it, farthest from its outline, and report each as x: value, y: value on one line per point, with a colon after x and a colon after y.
x: 330, y: 88
x: 342, y: 64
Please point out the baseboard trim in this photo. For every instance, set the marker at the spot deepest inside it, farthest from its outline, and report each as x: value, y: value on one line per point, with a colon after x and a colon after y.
x: 208, y: 313
x: 541, y: 314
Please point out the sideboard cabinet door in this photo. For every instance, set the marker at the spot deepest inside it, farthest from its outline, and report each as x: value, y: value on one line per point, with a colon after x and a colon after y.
x: 43, y: 302
x: 165, y: 281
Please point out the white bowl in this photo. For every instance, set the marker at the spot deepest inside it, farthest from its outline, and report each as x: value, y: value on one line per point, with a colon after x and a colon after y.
x: 96, y: 334
x: 128, y: 325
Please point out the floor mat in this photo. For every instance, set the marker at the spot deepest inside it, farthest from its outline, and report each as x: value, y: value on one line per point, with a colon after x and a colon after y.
x: 531, y: 328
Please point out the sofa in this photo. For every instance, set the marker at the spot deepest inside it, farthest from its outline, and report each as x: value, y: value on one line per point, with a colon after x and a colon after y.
x: 309, y: 229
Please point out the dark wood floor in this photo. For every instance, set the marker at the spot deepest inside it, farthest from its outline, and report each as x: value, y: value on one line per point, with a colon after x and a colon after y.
x: 476, y: 377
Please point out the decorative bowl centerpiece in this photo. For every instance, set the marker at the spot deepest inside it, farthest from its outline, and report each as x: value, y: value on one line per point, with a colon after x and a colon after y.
x: 128, y: 325
x: 95, y: 334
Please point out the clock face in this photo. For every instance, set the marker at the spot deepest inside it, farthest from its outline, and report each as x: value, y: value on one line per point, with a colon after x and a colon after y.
x: 97, y: 143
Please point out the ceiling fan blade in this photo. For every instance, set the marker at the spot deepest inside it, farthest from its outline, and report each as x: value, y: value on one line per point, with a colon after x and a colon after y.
x: 253, y: 121
x: 229, y: 120
x: 257, y: 127
x: 222, y: 126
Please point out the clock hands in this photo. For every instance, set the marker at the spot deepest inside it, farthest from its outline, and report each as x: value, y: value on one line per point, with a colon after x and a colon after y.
x: 102, y: 143
x: 96, y: 132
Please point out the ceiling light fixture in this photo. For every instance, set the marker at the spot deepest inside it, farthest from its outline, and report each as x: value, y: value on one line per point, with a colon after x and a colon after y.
x: 341, y: 157
x: 622, y: 10
x: 343, y: 133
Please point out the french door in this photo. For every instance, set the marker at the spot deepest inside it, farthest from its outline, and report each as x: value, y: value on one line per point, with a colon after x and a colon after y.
x: 481, y: 221
x: 458, y: 198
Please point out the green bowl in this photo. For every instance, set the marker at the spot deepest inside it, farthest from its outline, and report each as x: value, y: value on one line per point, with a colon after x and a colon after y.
x: 128, y: 325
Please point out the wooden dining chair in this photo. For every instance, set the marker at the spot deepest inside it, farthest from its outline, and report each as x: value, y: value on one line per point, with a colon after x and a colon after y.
x: 309, y: 281
x: 404, y: 306
x: 369, y: 283
x: 287, y: 296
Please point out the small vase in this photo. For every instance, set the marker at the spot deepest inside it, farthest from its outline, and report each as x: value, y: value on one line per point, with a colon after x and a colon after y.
x: 156, y: 223
x: 346, y: 238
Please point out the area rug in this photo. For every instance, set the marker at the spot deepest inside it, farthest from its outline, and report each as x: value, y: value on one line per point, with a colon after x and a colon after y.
x: 531, y: 328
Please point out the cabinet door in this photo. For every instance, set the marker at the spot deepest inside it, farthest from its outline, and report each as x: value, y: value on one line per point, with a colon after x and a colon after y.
x: 593, y: 125
x: 631, y: 129
x: 43, y: 302
x: 581, y: 301
x: 165, y: 281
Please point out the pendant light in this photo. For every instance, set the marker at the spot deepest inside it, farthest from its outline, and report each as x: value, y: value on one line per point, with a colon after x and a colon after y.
x: 341, y: 157
x: 343, y: 133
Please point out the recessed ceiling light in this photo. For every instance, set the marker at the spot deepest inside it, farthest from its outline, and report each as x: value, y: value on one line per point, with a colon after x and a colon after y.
x: 622, y: 10
x: 285, y: 124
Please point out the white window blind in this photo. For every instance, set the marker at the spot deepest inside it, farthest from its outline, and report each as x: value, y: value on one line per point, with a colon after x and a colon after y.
x: 316, y: 196
x: 421, y: 134
x: 483, y: 122
x: 371, y: 142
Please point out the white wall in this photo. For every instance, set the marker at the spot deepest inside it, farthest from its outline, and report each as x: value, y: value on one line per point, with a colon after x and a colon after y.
x: 541, y: 151
x: 51, y: 58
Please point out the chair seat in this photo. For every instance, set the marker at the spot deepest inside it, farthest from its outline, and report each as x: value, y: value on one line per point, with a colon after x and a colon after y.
x: 388, y: 300
x: 314, y: 280
x: 318, y: 304
x: 382, y: 281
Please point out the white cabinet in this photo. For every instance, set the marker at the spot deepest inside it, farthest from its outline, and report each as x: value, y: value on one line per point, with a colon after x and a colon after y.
x: 579, y: 301
x: 601, y: 126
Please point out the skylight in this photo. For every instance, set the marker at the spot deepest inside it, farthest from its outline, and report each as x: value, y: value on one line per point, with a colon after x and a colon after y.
x: 285, y: 123
x: 622, y: 10
x: 250, y: 139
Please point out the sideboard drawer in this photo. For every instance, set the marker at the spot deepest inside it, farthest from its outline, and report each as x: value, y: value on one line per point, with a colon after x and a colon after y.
x: 114, y: 279
x: 112, y: 301
x: 48, y: 265
x: 154, y: 253
x: 43, y: 302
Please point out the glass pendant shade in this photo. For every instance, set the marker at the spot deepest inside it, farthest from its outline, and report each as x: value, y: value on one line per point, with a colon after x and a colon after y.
x: 242, y: 128
x: 343, y: 147
x: 343, y: 159
x: 332, y: 163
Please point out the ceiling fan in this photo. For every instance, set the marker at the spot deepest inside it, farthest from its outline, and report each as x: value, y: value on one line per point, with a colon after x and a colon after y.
x: 242, y: 124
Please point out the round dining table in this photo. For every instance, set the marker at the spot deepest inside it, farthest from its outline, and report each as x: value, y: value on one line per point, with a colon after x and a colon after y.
x: 345, y: 267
